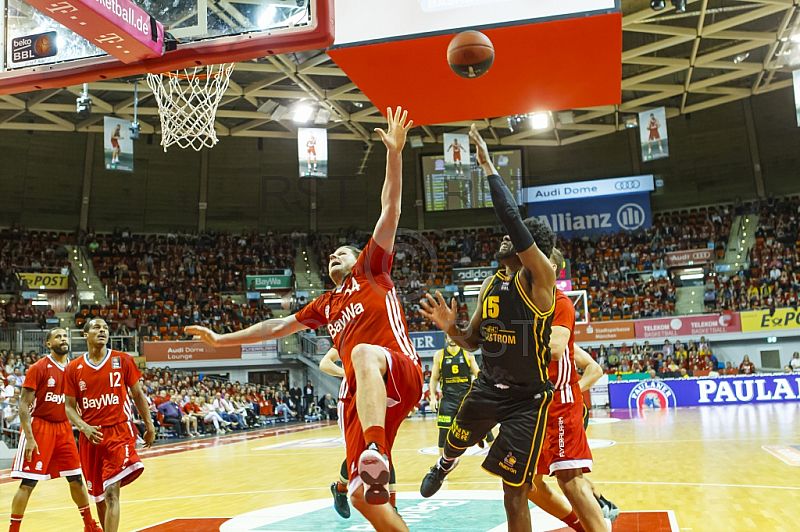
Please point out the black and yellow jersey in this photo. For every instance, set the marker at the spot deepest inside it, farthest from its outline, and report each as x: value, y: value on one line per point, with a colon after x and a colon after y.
x: 454, y: 372
x: 515, y: 335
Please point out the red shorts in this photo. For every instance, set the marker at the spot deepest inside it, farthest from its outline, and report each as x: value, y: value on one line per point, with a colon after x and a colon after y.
x: 114, y: 144
x: 456, y: 157
x: 312, y: 151
x: 403, y: 390
x: 654, y: 135
x: 566, y: 446
x: 112, y: 460
x: 57, y: 456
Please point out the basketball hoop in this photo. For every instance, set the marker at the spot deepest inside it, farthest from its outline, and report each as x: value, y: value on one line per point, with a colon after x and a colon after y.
x: 187, y: 104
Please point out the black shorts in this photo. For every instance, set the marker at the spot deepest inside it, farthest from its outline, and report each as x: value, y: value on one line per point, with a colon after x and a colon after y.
x: 448, y: 408
x: 523, y: 422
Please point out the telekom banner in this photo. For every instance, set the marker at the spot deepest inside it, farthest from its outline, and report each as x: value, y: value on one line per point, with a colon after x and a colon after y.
x: 689, y: 326
x: 119, y: 27
x: 689, y: 258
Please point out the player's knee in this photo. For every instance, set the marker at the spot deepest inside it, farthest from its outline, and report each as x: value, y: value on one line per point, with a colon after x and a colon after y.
x: 364, y: 356
x: 358, y: 501
x: 28, y: 484
x: 75, y: 479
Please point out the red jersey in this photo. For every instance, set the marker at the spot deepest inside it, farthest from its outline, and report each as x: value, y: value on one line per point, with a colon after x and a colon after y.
x: 102, y: 390
x: 46, y: 378
x: 562, y: 372
x: 365, y: 309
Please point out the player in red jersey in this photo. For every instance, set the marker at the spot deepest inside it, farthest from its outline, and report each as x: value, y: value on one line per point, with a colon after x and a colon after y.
x: 566, y: 454
x: 456, y: 147
x: 96, y: 389
x: 368, y: 327
x: 46, y: 446
x: 654, y: 136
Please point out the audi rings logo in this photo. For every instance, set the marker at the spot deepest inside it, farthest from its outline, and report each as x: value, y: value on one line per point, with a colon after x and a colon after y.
x: 627, y: 185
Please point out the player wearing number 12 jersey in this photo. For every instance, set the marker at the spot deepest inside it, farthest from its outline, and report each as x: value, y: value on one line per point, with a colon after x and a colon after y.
x: 368, y: 327
x: 98, y: 404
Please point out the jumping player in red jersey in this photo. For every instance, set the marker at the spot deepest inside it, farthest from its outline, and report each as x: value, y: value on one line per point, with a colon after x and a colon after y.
x: 566, y: 453
x: 654, y: 136
x: 456, y: 147
x: 96, y: 389
x: 46, y: 446
x: 368, y: 328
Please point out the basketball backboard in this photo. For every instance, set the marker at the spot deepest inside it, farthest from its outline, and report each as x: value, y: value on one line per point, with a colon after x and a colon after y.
x: 206, y: 31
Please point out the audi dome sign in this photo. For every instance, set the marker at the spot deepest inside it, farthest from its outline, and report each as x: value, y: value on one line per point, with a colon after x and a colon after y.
x: 590, y: 189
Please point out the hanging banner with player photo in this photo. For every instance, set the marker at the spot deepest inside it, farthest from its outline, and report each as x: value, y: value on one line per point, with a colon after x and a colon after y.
x: 456, y: 155
x: 796, y: 80
x: 117, y: 144
x: 653, y: 134
x: 312, y: 152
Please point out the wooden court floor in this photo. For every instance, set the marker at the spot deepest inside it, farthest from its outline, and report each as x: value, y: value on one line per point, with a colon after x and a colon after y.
x: 690, y: 469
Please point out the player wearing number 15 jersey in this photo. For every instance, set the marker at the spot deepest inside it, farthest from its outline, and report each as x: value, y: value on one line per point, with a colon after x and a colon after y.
x: 98, y: 404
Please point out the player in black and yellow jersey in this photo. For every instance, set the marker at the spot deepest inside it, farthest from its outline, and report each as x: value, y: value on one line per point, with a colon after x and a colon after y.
x: 511, y: 326
x: 453, y: 369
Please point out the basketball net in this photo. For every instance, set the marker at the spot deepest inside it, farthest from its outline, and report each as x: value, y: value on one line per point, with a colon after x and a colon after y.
x: 187, y: 104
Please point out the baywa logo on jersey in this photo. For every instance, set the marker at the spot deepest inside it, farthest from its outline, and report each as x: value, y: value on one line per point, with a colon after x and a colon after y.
x: 51, y: 382
x: 116, y: 363
x: 651, y: 394
x: 347, y: 315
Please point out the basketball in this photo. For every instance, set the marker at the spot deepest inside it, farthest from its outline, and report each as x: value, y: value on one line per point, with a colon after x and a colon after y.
x: 470, y: 54
x: 44, y: 45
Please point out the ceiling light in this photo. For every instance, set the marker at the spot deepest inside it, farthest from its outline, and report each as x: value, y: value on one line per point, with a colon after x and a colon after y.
x: 510, y: 123
x: 279, y: 112
x: 415, y: 141
x: 741, y: 57
x: 303, y: 114
x: 540, y: 121
x: 657, y: 5
x: 679, y: 5
x: 566, y: 117
x: 267, y: 18
x: 631, y: 121
x: 267, y: 107
x: 322, y: 117
x: 794, y: 38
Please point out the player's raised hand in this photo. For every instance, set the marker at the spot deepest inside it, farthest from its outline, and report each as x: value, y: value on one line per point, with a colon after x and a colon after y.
x: 203, y: 333
x: 481, y: 151
x: 93, y: 434
x: 436, y: 310
x: 30, y: 447
x: 395, y: 136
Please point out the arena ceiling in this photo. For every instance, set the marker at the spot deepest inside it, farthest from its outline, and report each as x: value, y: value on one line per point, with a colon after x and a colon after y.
x: 716, y: 52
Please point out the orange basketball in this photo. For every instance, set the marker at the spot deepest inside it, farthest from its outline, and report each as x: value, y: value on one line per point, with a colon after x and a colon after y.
x: 470, y: 54
x: 44, y: 45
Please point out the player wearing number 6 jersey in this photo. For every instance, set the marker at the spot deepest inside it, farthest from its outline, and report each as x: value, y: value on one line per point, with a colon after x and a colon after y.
x: 46, y: 445
x: 368, y: 329
x: 97, y: 401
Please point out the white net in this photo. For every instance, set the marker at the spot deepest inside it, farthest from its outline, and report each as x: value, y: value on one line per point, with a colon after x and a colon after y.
x: 187, y: 104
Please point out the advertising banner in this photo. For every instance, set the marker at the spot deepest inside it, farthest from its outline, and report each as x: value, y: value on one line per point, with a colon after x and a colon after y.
x: 267, y: 349
x: 590, y: 189
x: 653, y: 134
x: 268, y: 282
x: 699, y: 392
x: 183, y: 351
x: 117, y: 144
x: 578, y: 217
x: 473, y: 275
x: 456, y: 154
x: 428, y: 340
x: 796, y: 82
x: 44, y: 281
x: 604, y: 332
x: 689, y: 326
x: 312, y: 152
x: 689, y: 258
x: 761, y: 320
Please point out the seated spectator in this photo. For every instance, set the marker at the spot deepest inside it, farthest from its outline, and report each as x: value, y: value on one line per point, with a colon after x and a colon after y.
x: 283, y: 408
x: 667, y: 350
x: 329, y: 408
x: 192, y: 411
x: 174, y: 416
x: 787, y: 369
x: 11, y: 412
x: 313, y: 413
x: 713, y: 373
x: 747, y: 367
x: 210, y: 415
x: 730, y: 370
x: 795, y: 362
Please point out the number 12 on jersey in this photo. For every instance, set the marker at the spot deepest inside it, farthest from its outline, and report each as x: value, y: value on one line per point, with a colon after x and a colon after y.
x: 115, y: 377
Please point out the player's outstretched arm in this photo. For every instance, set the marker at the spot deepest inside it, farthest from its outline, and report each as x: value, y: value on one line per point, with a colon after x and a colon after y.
x: 328, y: 363
x: 505, y: 206
x: 141, y: 406
x: 266, y: 330
x: 27, y: 397
x: 591, y: 369
x: 391, y: 197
